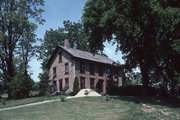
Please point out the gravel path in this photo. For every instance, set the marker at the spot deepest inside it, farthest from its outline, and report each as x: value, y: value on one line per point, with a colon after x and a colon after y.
x: 81, y: 93
x: 26, y: 105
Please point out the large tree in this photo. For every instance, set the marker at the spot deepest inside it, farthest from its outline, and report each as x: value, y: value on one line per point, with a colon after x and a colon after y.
x: 17, y: 22
x: 144, y: 31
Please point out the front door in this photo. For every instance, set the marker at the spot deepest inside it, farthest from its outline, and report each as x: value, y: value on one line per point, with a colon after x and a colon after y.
x: 99, y: 85
x: 60, y: 85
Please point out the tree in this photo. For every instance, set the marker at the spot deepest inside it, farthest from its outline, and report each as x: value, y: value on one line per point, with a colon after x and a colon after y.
x: 17, y: 22
x: 36, y: 87
x: 44, y: 87
x: 76, y: 86
x: 144, y: 31
x: 21, y: 86
x: 132, y: 78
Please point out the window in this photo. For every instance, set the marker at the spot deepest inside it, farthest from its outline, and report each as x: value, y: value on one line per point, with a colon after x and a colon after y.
x: 82, y: 67
x: 92, y: 83
x: 60, y: 56
x: 54, y: 72
x: 92, y: 69
x: 100, y: 71
x: 67, y: 83
x: 66, y: 68
x: 82, y: 84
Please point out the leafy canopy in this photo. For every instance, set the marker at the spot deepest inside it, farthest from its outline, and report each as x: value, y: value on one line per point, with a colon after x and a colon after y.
x: 144, y: 30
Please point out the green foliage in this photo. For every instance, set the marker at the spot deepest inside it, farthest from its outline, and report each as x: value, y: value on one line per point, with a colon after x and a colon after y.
x: 86, y: 92
x: 146, y: 31
x: 35, y: 87
x: 44, y: 87
x: 18, y: 24
x: 176, y: 45
x: 132, y: 78
x: 1, y: 87
x: 63, y: 99
x: 21, y: 86
x: 76, y: 86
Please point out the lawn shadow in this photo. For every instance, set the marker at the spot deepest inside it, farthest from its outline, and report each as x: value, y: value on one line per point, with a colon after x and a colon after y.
x: 168, y: 102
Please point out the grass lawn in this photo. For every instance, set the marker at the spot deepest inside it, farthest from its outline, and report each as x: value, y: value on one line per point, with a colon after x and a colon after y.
x: 99, y: 108
x: 9, y: 103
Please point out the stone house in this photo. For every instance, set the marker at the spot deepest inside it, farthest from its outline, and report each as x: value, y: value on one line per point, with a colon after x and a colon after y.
x: 67, y: 63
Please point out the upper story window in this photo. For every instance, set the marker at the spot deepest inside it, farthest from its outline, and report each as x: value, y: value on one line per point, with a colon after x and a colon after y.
x: 66, y: 83
x: 101, y: 71
x: 82, y: 67
x: 92, y: 69
x: 60, y: 56
x: 66, y: 68
x: 54, y: 72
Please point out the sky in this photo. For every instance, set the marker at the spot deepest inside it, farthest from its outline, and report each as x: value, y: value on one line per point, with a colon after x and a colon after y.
x: 57, y: 11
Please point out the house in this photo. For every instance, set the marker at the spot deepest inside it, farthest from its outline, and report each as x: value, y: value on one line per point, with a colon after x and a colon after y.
x: 91, y: 69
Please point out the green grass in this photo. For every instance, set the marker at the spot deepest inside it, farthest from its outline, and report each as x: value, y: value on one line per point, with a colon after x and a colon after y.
x: 9, y: 103
x: 99, y: 108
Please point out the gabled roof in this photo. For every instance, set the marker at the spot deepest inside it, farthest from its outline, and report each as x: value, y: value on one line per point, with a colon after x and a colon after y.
x: 84, y: 55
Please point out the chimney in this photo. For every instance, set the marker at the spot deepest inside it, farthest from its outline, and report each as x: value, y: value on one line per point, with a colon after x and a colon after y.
x: 66, y: 43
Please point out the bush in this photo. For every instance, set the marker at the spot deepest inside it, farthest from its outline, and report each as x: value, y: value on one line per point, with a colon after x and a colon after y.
x: 1, y: 87
x: 136, y: 90
x: 86, y: 92
x: 63, y: 99
x: 131, y: 90
x: 21, y: 86
x: 75, y: 86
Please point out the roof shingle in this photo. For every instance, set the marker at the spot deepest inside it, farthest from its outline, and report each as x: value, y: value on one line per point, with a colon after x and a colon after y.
x: 88, y: 56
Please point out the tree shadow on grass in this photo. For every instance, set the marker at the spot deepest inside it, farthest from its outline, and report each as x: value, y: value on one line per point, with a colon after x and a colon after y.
x: 168, y: 102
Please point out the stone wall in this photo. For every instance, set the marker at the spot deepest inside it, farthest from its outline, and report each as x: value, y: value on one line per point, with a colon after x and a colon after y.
x: 96, y: 76
x: 60, y: 70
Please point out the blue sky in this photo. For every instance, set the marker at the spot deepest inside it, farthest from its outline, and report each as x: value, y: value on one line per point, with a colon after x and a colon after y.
x: 57, y: 11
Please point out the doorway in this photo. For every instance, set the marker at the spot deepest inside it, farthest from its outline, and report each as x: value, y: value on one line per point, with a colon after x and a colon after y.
x: 60, y: 84
x: 99, y: 86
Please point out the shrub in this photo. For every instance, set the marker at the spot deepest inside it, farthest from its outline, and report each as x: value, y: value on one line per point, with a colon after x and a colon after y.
x: 63, y: 99
x: 136, y: 90
x: 76, y: 86
x: 107, y: 98
x: 21, y: 86
x: 1, y: 87
x: 86, y: 92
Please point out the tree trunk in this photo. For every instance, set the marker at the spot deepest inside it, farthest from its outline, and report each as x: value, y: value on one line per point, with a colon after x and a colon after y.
x: 145, y: 79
